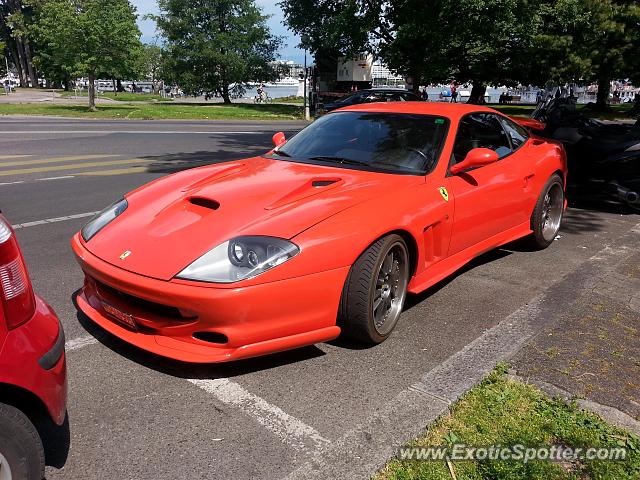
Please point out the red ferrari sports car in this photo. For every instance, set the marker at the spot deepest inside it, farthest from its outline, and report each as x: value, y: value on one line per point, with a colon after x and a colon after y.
x: 323, y: 235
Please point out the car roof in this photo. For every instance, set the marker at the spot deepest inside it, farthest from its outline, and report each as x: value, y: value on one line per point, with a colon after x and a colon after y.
x: 451, y: 110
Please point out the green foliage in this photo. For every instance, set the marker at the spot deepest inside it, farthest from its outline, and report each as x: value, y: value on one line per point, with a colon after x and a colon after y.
x: 88, y: 38
x: 211, y: 44
x: 149, y: 62
x: 480, y: 41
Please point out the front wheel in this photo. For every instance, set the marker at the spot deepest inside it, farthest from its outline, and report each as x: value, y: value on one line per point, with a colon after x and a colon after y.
x: 547, y: 215
x: 374, y: 293
x: 21, y: 452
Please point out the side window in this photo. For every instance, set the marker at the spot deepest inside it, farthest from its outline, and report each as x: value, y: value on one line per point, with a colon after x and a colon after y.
x: 393, y: 97
x: 408, y: 97
x: 480, y: 130
x: 517, y: 134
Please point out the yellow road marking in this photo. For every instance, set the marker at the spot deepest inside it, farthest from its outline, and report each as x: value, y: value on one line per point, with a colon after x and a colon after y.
x: 53, y: 168
x: 117, y: 171
x: 2, y: 157
x: 53, y: 160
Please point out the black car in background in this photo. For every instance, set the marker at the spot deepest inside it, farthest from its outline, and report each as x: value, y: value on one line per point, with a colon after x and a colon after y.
x: 370, y: 96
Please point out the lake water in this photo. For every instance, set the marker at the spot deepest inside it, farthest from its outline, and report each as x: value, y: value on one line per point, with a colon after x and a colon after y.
x: 273, y: 92
x: 434, y: 93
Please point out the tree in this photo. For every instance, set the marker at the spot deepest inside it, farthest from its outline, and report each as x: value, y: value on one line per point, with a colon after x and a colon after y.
x: 610, y: 39
x: 90, y: 38
x: 484, y: 42
x: 586, y: 41
x: 15, y: 19
x: 211, y: 44
x: 149, y: 63
x: 436, y: 41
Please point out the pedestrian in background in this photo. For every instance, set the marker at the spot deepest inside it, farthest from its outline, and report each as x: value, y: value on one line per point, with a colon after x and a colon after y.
x: 425, y: 94
x: 454, y: 94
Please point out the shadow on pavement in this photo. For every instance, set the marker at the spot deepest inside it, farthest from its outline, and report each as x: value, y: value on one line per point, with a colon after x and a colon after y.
x: 493, y: 255
x: 232, y: 147
x: 56, y: 440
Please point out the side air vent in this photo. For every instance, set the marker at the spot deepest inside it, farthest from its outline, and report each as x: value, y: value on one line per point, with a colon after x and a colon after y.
x: 323, y: 183
x: 211, y: 337
x: 205, y: 202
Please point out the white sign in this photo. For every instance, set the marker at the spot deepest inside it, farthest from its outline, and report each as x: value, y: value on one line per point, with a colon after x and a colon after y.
x: 356, y: 69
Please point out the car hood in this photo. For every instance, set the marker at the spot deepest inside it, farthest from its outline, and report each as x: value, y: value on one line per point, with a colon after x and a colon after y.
x: 174, y: 220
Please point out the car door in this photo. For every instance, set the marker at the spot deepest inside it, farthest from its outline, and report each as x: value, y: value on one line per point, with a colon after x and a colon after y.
x: 488, y: 199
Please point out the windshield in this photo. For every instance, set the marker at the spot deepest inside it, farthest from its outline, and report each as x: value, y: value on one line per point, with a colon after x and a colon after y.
x: 389, y: 142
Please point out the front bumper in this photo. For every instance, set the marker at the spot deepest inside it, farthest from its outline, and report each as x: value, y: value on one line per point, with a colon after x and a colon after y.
x: 200, y: 323
x: 33, y: 358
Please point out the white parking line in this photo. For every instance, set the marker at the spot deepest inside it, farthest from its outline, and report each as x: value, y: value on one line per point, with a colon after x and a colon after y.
x: 53, y: 220
x: 79, y: 342
x: 54, y: 178
x: 46, y: 179
x: 290, y: 430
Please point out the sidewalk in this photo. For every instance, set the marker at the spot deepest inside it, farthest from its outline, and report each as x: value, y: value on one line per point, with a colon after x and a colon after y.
x: 592, y: 348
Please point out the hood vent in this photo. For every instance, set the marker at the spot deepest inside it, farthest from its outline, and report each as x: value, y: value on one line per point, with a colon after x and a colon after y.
x: 323, y: 183
x: 204, y: 202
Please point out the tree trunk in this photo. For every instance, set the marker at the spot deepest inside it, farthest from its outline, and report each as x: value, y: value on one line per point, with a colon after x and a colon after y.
x: 477, y: 93
x: 20, y: 65
x: 92, y: 92
x: 604, y: 87
x: 225, y: 93
x: 28, y: 58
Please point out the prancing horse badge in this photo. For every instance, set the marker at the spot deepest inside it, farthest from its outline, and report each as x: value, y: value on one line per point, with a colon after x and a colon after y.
x: 125, y: 254
x: 444, y: 193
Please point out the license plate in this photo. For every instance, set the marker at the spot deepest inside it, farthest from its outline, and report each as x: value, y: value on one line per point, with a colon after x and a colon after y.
x: 120, y: 316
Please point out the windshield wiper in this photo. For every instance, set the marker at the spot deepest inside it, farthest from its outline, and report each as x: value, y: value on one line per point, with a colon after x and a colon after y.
x: 333, y: 159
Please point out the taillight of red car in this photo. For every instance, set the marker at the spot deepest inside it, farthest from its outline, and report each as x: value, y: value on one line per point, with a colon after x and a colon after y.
x: 16, y: 292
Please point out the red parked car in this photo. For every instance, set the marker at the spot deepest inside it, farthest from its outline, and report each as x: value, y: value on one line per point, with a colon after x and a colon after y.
x: 322, y: 236
x: 32, y: 365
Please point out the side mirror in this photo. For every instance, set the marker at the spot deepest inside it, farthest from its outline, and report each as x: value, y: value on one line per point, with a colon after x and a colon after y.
x: 278, y: 139
x: 478, y: 157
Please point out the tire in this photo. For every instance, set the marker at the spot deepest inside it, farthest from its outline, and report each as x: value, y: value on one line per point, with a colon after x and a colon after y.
x: 21, y: 450
x: 374, y: 292
x: 547, y: 215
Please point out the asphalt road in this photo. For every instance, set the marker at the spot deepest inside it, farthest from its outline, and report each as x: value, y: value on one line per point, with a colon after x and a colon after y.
x: 134, y: 415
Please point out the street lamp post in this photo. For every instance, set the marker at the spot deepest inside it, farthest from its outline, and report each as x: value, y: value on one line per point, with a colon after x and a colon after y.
x: 6, y: 62
x: 305, y: 41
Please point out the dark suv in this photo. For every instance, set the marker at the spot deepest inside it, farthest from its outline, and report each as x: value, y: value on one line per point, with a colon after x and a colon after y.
x: 370, y: 96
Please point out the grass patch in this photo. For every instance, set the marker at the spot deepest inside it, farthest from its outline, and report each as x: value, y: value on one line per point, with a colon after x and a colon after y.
x: 155, y: 111
x: 289, y: 99
x: 506, y: 412
x: 122, y: 96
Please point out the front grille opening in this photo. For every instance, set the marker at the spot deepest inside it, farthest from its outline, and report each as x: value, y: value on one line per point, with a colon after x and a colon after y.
x: 211, y: 337
x: 205, y: 202
x: 153, y: 308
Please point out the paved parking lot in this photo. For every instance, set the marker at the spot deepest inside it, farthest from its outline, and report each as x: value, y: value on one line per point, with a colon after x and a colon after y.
x: 134, y: 415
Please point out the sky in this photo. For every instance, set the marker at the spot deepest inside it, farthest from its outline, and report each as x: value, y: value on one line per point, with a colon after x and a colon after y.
x: 269, y: 7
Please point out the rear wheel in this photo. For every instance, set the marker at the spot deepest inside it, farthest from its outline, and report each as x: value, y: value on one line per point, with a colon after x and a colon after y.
x: 21, y: 452
x: 375, y: 290
x: 547, y: 215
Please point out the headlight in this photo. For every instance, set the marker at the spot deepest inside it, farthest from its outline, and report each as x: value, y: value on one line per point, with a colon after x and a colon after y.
x: 633, y: 148
x: 101, y: 220
x: 239, y: 259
